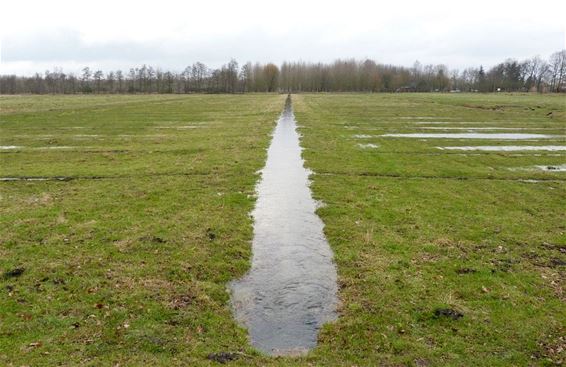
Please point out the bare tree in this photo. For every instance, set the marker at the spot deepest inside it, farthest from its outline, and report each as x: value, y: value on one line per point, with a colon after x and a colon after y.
x: 271, y: 74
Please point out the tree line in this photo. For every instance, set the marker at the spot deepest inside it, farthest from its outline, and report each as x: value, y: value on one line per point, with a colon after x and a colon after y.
x: 350, y: 75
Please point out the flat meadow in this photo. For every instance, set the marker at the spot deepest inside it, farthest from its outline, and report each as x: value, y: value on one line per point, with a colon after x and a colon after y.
x: 123, y: 218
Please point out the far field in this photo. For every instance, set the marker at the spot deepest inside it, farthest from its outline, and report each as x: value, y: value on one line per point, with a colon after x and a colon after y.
x: 444, y: 257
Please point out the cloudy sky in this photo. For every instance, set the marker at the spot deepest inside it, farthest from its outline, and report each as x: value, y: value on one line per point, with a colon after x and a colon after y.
x: 37, y: 35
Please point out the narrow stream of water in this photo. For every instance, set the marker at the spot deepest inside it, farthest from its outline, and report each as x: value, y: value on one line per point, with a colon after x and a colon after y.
x: 291, y: 288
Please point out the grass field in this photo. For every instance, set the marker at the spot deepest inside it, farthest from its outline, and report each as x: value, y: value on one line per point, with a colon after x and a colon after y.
x: 444, y: 257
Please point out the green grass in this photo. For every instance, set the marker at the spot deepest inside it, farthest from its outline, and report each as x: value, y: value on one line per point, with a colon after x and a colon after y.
x: 404, y: 219
x: 127, y: 262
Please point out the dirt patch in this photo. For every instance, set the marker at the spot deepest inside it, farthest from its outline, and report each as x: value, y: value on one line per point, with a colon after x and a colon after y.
x: 553, y: 349
x: 492, y: 108
x: 555, y: 262
x: 14, y: 273
x: 447, y: 312
x: 210, y: 234
x: 153, y: 239
x: 462, y: 271
x: 181, y: 301
x: 223, y: 357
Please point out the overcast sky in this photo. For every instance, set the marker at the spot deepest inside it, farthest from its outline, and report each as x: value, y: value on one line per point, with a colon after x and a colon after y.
x: 37, y: 34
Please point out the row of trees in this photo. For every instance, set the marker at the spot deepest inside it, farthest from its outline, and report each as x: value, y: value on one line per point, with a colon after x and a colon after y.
x: 534, y: 74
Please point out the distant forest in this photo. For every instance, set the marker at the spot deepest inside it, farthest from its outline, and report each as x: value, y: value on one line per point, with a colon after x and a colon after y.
x: 531, y: 75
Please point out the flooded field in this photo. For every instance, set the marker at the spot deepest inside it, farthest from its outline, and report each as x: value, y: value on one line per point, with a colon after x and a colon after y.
x: 291, y: 288
x: 146, y: 241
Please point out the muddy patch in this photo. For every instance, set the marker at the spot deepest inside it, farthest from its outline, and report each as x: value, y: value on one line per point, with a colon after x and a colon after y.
x: 447, y: 313
x: 290, y: 291
x: 14, y: 273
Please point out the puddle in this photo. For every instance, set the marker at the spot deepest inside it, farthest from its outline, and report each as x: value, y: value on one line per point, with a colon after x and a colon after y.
x: 56, y: 147
x: 180, y: 127
x: 363, y: 136
x: 39, y: 148
x: 509, y: 148
x: 290, y: 291
x: 490, y: 128
x: 143, y: 136
x: 546, y: 168
x: 427, y: 118
x: 368, y: 146
x: 558, y: 168
x: 8, y: 147
x: 459, y: 122
x: 505, y: 136
x: 6, y: 179
x: 34, y: 136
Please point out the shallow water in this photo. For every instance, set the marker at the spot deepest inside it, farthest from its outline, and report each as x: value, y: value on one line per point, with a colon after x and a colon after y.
x: 368, y: 146
x: 551, y: 168
x: 503, y: 136
x: 4, y: 179
x: 487, y: 128
x: 427, y: 118
x: 509, y: 148
x: 291, y: 288
x: 363, y: 136
x: 8, y: 147
x: 545, y: 168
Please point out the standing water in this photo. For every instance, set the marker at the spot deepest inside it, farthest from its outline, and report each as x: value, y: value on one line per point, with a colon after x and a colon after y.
x: 290, y: 291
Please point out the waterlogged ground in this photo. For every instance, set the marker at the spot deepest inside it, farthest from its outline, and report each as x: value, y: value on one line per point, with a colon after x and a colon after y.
x: 444, y: 256
x: 290, y: 291
x: 127, y: 262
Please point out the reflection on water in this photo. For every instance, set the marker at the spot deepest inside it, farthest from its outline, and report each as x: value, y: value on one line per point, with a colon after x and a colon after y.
x: 291, y: 288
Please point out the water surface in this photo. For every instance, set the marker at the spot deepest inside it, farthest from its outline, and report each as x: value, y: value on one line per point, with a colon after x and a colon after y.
x: 509, y: 148
x: 503, y: 136
x: 291, y: 288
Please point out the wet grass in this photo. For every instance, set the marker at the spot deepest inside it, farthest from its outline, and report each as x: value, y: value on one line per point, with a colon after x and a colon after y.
x: 444, y: 257
x: 129, y: 268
